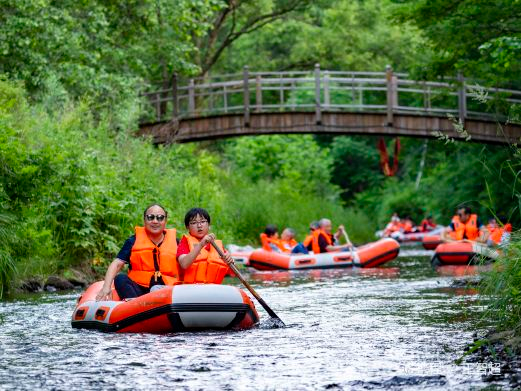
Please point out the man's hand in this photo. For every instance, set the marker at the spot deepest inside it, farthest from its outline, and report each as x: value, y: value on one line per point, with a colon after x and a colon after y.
x: 104, y: 294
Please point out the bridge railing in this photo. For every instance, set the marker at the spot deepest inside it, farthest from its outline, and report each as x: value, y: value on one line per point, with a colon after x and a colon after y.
x: 326, y: 91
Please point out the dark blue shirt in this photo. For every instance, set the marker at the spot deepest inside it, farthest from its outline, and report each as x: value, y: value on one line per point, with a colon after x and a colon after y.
x: 124, y: 253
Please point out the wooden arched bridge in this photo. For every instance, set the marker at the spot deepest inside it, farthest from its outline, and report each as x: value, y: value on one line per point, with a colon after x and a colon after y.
x: 333, y: 102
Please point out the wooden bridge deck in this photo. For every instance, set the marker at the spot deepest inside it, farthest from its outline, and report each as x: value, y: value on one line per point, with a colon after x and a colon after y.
x: 333, y: 103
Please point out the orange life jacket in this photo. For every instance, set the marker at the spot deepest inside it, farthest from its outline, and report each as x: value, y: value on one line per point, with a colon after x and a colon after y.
x: 288, y: 244
x: 148, y: 260
x: 469, y: 230
x: 455, y: 220
x: 208, y: 267
x: 497, y: 233
x: 407, y: 227
x: 308, y: 240
x: 266, y: 241
x: 316, y: 234
x: 393, y: 226
x: 426, y: 225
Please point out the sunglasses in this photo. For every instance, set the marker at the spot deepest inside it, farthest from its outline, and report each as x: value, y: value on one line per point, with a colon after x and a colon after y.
x: 159, y: 218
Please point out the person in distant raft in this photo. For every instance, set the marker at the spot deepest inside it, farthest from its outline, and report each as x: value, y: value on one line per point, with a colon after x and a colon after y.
x: 313, y: 226
x: 324, y: 241
x: 151, y: 256
x: 270, y: 239
x: 465, y: 226
x: 289, y: 244
x: 198, y: 259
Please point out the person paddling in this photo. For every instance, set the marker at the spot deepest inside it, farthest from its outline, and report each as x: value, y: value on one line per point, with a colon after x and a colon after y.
x: 324, y: 241
x: 151, y: 256
x: 199, y: 261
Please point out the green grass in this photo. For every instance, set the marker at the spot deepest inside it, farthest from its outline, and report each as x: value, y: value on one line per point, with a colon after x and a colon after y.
x: 502, y: 286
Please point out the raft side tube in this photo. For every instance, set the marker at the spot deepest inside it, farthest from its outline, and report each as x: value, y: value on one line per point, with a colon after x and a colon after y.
x: 369, y: 255
x: 179, y: 308
x: 462, y: 253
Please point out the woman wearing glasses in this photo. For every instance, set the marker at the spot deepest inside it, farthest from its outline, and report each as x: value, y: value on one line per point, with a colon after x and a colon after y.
x: 199, y: 261
x: 151, y: 256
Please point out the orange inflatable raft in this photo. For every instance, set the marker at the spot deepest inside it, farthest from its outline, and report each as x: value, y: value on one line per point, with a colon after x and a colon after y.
x: 430, y: 242
x: 369, y: 255
x: 462, y: 253
x: 177, y: 308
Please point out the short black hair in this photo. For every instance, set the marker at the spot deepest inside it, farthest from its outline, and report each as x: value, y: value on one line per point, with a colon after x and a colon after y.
x: 151, y: 205
x: 192, y: 214
x: 466, y: 209
x: 271, y: 230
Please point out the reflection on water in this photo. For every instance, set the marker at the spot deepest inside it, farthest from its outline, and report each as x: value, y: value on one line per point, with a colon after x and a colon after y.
x: 398, y: 327
x: 287, y: 277
x: 462, y: 270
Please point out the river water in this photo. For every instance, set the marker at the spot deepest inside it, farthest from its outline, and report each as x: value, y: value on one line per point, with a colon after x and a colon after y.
x: 397, y: 327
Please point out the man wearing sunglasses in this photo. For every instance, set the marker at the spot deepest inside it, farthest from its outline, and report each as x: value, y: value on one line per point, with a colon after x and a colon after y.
x: 150, y: 255
x: 465, y: 226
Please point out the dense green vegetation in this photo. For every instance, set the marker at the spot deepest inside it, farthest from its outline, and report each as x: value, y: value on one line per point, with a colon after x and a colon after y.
x: 73, y: 188
x: 75, y: 179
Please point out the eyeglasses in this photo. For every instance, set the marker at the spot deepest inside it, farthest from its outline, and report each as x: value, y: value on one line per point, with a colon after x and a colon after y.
x: 159, y: 218
x: 196, y: 223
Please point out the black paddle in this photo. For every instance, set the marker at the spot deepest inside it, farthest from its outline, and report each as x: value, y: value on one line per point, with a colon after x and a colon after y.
x: 277, y: 321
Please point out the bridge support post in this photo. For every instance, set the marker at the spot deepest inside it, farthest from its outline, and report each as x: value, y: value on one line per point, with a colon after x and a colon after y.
x: 392, y: 94
x: 175, y: 109
x: 462, y: 99
x: 258, y: 94
x: 327, y: 97
x: 246, y: 95
x: 191, y: 97
x: 318, y: 111
x: 158, y: 107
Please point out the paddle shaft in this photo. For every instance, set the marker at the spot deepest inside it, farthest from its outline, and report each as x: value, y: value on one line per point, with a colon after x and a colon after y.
x: 348, y: 242
x: 247, y: 285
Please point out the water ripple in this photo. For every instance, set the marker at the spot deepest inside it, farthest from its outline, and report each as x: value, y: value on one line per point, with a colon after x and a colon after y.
x: 400, y: 328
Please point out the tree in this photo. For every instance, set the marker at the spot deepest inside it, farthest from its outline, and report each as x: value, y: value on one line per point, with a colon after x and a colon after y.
x: 101, y: 48
x: 468, y: 34
x: 237, y: 18
x: 338, y: 34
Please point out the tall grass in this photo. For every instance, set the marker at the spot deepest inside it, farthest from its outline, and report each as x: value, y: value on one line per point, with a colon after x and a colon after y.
x: 502, y: 287
x: 7, y: 263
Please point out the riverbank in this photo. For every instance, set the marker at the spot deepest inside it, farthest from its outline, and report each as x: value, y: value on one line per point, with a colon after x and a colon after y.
x: 78, y: 277
x: 497, y: 355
